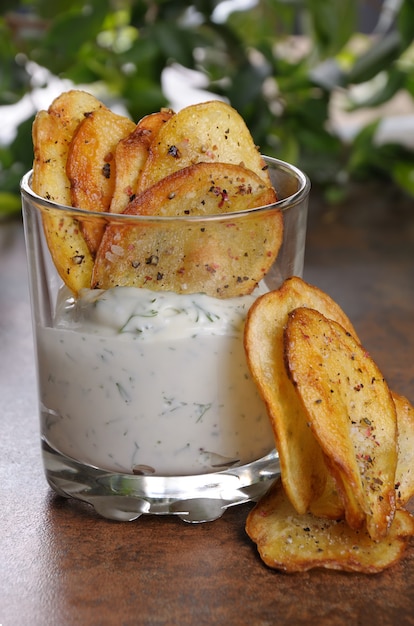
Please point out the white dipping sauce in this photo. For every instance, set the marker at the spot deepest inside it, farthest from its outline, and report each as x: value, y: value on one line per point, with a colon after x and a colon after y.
x: 133, y: 380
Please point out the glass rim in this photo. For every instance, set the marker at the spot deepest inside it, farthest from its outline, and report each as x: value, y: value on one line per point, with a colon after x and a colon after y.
x: 79, y: 213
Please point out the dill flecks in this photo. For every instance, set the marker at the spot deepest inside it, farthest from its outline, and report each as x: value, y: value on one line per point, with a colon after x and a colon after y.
x: 147, y: 314
x: 123, y: 393
x: 212, y: 317
x: 202, y: 408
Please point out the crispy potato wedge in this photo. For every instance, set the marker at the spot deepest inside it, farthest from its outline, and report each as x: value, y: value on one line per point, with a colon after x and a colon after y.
x: 52, y: 133
x: 351, y: 413
x: 90, y: 166
x: 221, y: 260
x: 291, y: 542
x: 404, y: 476
x: 208, y: 132
x: 329, y: 505
x: 305, y: 475
x: 130, y: 156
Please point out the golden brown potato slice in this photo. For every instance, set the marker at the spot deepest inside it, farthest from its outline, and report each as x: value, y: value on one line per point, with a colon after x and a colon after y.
x: 304, y: 472
x: 296, y: 543
x: 130, y: 156
x: 90, y: 166
x: 222, y: 260
x: 329, y: 505
x: 351, y: 413
x: 208, y: 132
x: 52, y: 134
x: 404, y: 476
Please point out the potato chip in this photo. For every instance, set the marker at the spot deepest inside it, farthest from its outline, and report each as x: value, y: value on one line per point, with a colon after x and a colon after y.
x: 52, y: 133
x: 304, y: 472
x: 351, y: 413
x: 220, y: 259
x: 90, y: 166
x: 207, y: 132
x: 291, y: 542
x: 130, y: 156
x: 404, y: 475
x: 329, y: 504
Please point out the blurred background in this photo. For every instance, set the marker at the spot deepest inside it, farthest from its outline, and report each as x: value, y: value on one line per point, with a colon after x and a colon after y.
x: 325, y: 84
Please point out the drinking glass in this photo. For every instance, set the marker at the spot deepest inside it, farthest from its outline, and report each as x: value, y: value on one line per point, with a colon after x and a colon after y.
x: 146, y: 402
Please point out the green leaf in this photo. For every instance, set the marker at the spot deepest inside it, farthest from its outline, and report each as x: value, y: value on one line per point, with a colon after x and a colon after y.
x: 146, y: 55
x: 142, y: 96
x: 403, y: 174
x: 284, y: 145
x: 395, y: 80
x: 390, y: 161
x: 21, y: 146
x: 333, y: 23
x: 378, y: 57
x: 175, y: 43
x: 409, y: 83
x: 247, y: 84
x: 68, y: 33
x: 51, y: 10
x: 14, y: 78
x: 10, y: 203
x: 362, y: 150
x: 405, y: 23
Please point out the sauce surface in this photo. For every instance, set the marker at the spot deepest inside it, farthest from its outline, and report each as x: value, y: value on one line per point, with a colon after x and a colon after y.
x: 145, y: 382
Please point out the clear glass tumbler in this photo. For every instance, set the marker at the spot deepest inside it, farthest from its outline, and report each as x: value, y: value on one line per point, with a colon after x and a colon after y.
x: 145, y: 399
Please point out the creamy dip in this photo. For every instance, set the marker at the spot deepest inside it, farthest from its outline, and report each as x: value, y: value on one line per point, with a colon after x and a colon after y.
x: 148, y: 382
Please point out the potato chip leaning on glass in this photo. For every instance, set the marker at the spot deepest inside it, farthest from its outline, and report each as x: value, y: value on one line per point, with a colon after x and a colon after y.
x: 345, y: 440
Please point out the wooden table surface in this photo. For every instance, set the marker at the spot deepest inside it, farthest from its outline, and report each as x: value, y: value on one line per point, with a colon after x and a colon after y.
x: 61, y: 564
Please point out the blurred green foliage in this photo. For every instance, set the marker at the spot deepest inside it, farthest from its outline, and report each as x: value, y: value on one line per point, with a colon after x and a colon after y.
x: 122, y: 46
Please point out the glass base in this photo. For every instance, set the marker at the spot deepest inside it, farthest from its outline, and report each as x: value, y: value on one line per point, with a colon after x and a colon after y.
x: 125, y: 497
